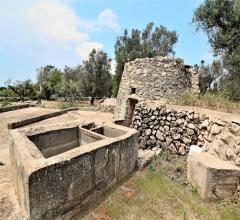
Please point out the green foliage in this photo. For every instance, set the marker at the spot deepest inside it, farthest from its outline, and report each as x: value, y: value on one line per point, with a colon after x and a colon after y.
x: 187, y: 98
x: 220, y: 19
x: 47, y: 78
x: 139, y: 44
x: 213, y: 100
x: 5, y: 103
x: 193, y: 190
x: 22, y: 89
x: 152, y: 168
x: 98, y: 67
x: 157, y: 197
x: 208, y: 75
x: 6, y: 92
x: 67, y: 88
x: 65, y: 105
x: 180, y: 167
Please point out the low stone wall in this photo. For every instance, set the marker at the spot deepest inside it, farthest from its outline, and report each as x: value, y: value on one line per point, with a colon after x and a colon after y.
x: 14, y: 107
x: 166, y: 128
x: 28, y: 121
x: 177, y: 128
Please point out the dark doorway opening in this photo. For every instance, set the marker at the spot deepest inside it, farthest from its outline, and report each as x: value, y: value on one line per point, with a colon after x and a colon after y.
x: 133, y: 91
x: 130, y: 111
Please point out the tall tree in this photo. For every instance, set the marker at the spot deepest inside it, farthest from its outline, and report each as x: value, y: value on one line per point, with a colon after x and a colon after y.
x: 98, y: 68
x: 220, y: 19
x: 47, y: 78
x: 140, y: 44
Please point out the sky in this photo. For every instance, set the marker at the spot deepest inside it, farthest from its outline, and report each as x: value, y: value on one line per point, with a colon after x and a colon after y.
x: 34, y: 33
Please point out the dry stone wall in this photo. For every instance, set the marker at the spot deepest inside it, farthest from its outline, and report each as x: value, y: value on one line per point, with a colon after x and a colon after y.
x: 222, y: 139
x: 166, y: 128
x: 176, y: 130
x: 154, y: 79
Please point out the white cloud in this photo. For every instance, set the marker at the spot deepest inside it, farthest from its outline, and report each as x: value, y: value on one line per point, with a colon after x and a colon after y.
x: 106, y: 19
x: 85, y: 48
x: 50, y: 31
x: 109, y: 19
x: 56, y: 20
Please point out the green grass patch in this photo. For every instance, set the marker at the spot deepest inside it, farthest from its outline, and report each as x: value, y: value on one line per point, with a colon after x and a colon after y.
x: 155, y: 196
x: 208, y: 100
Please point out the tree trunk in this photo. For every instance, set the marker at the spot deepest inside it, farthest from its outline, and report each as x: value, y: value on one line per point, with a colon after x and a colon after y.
x: 21, y: 96
x: 92, y: 99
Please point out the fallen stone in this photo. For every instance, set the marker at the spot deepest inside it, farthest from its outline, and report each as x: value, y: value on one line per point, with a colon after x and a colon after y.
x: 145, y: 157
x: 215, y: 129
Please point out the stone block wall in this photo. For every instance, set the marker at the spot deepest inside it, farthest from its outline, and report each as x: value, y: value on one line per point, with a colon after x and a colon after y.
x: 154, y: 79
x: 166, y: 128
x: 176, y: 129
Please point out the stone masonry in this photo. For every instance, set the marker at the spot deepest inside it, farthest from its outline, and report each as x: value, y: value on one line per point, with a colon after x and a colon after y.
x: 154, y: 79
x: 166, y: 128
x: 177, y: 128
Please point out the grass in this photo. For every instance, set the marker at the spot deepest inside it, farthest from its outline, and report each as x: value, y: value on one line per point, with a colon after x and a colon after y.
x: 63, y: 105
x: 5, y: 103
x: 156, y: 197
x: 153, y: 194
x: 208, y: 100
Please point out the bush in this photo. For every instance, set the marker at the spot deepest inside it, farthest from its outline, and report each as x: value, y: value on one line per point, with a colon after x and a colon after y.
x: 65, y: 105
x: 179, y: 167
x: 187, y: 98
x: 219, y: 101
x: 5, y: 103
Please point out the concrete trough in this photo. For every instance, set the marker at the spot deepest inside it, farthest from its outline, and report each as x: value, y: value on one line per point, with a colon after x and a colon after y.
x: 59, y: 170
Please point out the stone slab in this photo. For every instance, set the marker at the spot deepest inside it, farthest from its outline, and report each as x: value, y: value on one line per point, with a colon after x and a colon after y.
x: 213, y: 177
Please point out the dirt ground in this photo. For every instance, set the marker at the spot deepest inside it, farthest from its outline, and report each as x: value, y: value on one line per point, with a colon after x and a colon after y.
x: 9, y: 208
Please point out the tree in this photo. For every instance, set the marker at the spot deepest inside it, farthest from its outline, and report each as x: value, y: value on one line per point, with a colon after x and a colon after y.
x: 47, y: 78
x: 67, y: 88
x: 141, y: 44
x: 22, y: 89
x: 98, y: 73
x: 220, y: 19
x: 209, y: 74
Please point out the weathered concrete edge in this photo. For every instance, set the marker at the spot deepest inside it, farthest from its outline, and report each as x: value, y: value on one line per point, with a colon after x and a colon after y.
x: 35, y: 119
x: 14, y: 107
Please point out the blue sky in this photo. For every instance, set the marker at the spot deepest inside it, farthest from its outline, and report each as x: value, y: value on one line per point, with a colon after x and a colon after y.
x: 34, y: 33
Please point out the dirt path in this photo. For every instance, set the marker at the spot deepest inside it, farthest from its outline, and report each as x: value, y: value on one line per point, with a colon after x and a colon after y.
x: 9, y: 208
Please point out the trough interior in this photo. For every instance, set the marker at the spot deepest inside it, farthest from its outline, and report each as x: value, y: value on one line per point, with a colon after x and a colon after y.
x: 55, y: 142
x: 109, y: 131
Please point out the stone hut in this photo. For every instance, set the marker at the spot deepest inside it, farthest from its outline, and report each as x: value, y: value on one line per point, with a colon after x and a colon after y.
x: 153, y: 79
